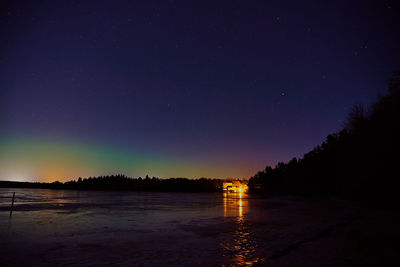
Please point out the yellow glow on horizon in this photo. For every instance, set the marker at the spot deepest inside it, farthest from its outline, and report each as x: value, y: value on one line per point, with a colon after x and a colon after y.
x: 38, y: 160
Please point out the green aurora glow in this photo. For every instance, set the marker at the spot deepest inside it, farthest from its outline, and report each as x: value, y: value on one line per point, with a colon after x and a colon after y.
x: 23, y: 159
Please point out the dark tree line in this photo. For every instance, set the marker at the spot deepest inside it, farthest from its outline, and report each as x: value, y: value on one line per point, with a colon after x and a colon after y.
x: 122, y: 182
x: 360, y: 161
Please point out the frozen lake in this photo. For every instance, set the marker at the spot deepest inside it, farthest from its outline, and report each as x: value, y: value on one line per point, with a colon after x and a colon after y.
x: 57, y: 227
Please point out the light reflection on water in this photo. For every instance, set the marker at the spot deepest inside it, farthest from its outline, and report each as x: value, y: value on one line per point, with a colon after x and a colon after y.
x: 241, y: 248
x: 60, y: 221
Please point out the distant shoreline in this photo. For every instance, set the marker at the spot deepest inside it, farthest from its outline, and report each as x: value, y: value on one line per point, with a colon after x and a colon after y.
x: 123, y: 183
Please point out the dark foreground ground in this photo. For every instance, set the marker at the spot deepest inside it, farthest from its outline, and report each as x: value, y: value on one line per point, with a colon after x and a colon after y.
x: 57, y: 228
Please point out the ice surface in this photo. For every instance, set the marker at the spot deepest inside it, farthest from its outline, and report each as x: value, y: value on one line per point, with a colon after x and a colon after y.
x: 57, y: 227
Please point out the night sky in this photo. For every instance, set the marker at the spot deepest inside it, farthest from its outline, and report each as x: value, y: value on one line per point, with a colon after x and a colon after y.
x: 177, y: 89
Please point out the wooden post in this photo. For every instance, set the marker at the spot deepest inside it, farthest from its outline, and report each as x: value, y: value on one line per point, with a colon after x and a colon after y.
x: 12, y: 204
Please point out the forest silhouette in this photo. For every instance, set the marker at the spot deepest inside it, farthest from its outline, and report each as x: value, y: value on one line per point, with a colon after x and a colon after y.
x: 122, y: 182
x: 360, y: 161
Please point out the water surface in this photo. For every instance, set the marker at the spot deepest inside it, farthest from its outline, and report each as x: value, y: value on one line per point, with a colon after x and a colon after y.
x: 62, y: 227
